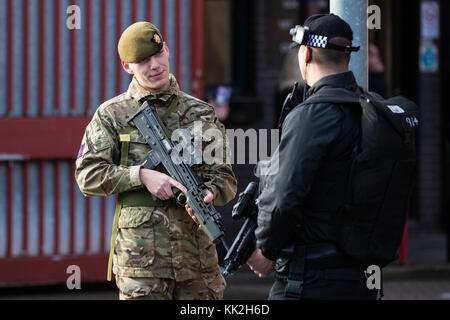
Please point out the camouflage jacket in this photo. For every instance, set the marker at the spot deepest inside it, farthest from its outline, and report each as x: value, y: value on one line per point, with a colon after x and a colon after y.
x: 172, y: 246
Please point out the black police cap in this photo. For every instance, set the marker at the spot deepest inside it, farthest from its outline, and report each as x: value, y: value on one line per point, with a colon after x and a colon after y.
x: 329, y: 25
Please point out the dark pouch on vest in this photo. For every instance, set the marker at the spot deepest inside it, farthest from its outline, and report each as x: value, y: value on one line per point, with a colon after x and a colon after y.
x: 296, y: 275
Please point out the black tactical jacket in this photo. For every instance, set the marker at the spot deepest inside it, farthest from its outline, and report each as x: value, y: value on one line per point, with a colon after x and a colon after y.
x: 300, y: 202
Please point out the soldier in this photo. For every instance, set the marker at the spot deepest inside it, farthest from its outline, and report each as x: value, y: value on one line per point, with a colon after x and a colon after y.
x: 158, y: 251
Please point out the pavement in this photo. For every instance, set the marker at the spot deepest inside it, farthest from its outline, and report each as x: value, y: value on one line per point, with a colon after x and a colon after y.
x: 425, y: 276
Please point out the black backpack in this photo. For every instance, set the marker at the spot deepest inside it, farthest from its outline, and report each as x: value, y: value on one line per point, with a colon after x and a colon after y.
x: 382, y: 176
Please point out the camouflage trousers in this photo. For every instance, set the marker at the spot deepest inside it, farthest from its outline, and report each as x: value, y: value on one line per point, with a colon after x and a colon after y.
x: 204, y: 288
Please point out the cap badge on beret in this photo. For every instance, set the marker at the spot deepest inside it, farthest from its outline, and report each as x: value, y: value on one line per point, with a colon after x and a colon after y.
x: 156, y: 39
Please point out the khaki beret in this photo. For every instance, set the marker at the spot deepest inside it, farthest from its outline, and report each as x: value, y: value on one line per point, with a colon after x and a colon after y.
x: 139, y: 41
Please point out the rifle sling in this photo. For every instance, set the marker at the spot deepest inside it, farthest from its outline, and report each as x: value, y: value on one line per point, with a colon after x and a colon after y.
x: 124, y: 138
x: 169, y: 110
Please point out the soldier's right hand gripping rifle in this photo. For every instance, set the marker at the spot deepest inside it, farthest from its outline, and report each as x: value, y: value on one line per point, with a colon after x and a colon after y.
x: 245, y: 242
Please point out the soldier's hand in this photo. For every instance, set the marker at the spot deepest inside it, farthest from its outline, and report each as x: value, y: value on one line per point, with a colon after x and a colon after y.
x: 209, y: 197
x: 160, y: 184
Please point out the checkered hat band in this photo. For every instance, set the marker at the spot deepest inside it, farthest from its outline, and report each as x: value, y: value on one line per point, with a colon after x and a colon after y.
x: 317, y: 41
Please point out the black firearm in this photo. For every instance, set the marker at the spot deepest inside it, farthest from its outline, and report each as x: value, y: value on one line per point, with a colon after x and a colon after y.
x: 245, y: 242
x: 290, y: 103
x: 151, y: 127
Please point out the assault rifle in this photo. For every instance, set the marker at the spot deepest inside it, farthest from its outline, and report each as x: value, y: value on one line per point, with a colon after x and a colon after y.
x: 245, y: 242
x: 152, y: 128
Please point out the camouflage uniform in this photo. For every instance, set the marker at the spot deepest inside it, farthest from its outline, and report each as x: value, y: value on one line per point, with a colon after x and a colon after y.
x: 159, y: 251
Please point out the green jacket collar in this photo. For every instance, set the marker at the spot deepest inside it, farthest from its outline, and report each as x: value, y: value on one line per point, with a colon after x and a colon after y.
x: 139, y: 93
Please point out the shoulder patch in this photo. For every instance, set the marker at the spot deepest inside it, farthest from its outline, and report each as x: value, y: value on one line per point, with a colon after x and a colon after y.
x: 81, y: 151
x: 97, y: 137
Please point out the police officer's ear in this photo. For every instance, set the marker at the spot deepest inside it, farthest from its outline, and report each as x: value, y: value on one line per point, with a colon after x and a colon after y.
x: 308, y: 56
x: 126, y: 66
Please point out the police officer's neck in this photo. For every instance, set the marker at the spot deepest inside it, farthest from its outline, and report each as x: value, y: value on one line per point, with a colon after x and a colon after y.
x: 316, y: 72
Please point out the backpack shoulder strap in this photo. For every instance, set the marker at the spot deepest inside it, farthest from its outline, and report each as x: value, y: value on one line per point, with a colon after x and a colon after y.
x: 334, y: 95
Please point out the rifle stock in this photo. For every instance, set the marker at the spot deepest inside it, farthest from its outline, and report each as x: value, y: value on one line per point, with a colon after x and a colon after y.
x: 245, y: 243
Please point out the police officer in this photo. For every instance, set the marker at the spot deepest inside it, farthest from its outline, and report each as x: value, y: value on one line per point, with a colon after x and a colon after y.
x: 299, y: 205
x: 158, y: 251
